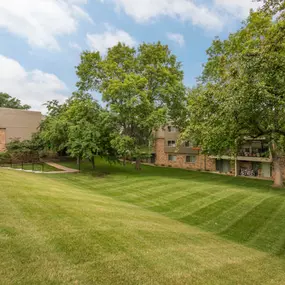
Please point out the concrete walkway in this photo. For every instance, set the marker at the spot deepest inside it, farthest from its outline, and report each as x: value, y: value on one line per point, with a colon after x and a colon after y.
x: 61, y: 167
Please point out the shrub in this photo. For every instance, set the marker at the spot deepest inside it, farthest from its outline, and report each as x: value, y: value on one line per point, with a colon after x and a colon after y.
x: 4, y: 157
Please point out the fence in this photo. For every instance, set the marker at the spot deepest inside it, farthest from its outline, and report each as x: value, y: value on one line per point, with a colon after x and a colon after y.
x: 33, y: 165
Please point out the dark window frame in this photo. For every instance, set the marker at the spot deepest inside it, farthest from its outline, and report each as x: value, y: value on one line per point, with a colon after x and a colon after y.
x: 171, y: 129
x: 172, y: 157
x: 191, y: 161
x: 171, y: 143
x: 188, y: 144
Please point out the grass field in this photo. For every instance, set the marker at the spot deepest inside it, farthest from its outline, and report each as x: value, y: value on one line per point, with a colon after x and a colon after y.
x: 157, y: 226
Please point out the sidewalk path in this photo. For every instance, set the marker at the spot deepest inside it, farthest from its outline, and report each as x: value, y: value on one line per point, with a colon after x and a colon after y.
x: 61, y: 167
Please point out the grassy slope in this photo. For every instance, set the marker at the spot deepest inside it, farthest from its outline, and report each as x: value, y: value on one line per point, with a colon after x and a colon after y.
x: 78, y: 229
x: 244, y: 210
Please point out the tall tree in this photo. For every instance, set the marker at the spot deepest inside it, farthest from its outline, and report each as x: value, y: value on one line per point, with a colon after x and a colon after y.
x: 79, y: 126
x: 143, y: 89
x: 242, y: 90
x: 6, y: 101
x: 54, y: 129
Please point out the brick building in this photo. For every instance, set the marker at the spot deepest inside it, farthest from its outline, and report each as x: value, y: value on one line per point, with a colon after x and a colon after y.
x: 253, y: 159
x: 168, y: 153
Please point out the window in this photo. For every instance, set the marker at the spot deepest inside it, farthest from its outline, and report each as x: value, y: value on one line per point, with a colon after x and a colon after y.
x: 171, y: 129
x: 171, y: 157
x: 191, y: 158
x: 187, y: 144
x: 171, y: 143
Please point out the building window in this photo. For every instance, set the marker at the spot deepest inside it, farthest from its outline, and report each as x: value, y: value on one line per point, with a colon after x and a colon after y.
x: 171, y: 157
x: 171, y: 129
x: 187, y: 144
x: 191, y: 158
x: 171, y: 143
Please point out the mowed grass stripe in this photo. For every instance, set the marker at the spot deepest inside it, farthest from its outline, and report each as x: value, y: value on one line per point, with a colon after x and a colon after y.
x: 195, y: 195
x: 228, y: 217
x: 25, y: 244
x: 212, y: 202
x: 203, y: 201
x: 95, y: 239
x: 106, y: 186
x: 209, y: 212
x: 176, y: 202
x: 147, y: 196
x: 167, y: 194
x: 161, y: 202
x: 248, y: 225
x: 271, y: 237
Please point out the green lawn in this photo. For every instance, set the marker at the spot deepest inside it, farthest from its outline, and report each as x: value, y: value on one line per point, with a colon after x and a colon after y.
x: 157, y: 226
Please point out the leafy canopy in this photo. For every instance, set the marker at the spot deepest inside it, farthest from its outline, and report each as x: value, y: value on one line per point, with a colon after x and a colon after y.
x: 79, y: 126
x: 6, y: 101
x: 241, y: 92
x: 142, y: 88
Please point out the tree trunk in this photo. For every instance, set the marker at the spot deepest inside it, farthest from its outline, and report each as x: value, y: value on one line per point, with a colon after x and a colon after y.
x: 124, y: 160
x: 278, y: 178
x: 138, y: 164
x: 78, y: 160
x: 79, y: 163
x: 93, y: 162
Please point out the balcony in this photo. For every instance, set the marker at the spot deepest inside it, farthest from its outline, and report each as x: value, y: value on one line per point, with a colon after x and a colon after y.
x: 244, y: 158
x: 181, y: 150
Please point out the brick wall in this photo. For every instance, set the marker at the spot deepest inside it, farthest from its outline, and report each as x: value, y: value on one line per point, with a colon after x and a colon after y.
x: 202, y: 162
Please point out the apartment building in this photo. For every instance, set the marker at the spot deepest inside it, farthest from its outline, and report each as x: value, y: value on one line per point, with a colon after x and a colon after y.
x: 185, y: 155
x: 254, y: 158
x: 17, y: 124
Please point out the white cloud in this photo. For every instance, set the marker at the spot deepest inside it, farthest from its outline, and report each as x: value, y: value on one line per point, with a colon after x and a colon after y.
x: 185, y: 10
x: 75, y: 46
x: 40, y: 22
x: 31, y: 87
x: 237, y: 8
x: 177, y: 38
x: 109, y: 38
x: 214, y: 15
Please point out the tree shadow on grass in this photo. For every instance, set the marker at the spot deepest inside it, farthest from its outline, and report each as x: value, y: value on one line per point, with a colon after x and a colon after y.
x: 104, y: 169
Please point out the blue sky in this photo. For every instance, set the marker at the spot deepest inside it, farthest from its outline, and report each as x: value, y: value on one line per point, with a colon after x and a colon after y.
x: 41, y: 40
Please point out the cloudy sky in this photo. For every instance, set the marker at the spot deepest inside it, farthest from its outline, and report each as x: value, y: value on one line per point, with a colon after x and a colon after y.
x: 41, y: 40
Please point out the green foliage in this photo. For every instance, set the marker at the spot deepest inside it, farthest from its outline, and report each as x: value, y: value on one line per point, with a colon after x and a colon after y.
x: 26, y: 151
x: 79, y: 126
x: 124, y: 145
x: 241, y: 91
x: 5, y: 157
x: 6, y: 101
x: 143, y: 89
x: 53, y: 129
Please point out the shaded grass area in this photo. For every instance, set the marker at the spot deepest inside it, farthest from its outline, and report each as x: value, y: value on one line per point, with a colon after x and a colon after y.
x: 157, y: 226
x: 34, y: 167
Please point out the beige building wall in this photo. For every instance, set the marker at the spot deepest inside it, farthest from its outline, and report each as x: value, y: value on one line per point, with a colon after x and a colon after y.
x: 17, y: 124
